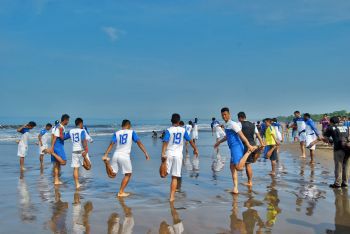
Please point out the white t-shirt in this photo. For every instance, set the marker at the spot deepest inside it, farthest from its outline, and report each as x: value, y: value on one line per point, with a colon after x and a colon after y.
x: 45, y: 137
x: 25, y: 137
x: 123, y: 139
x: 175, y: 136
x: 77, y: 135
x: 188, y: 128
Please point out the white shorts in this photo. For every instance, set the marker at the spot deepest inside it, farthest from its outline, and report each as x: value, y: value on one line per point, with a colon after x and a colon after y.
x: 302, y: 137
x: 174, y: 165
x: 78, y: 159
x: 195, y: 135
x: 279, y: 135
x: 219, y: 133
x: 42, y: 148
x: 310, y: 139
x: 121, y: 161
x: 22, y: 150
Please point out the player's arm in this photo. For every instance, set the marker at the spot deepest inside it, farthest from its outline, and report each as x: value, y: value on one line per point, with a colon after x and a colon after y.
x: 22, y: 127
x: 220, y: 141
x: 110, y: 147
x: 274, y: 137
x: 313, y: 127
x: 282, y: 132
x: 166, y: 139
x: 85, y: 144
x: 39, y: 139
x: 245, y: 140
x: 193, y: 145
x: 262, y: 143
x: 136, y: 139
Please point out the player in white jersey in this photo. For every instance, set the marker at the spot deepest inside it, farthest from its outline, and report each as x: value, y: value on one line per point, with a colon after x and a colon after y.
x: 121, y: 158
x: 44, y: 139
x: 217, y: 131
x: 80, y: 150
x: 195, y: 130
x: 23, y: 142
x: 188, y: 128
x: 172, y: 148
x: 299, y: 122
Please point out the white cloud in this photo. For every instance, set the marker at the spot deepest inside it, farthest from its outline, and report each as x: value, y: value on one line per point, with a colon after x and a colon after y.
x: 112, y: 32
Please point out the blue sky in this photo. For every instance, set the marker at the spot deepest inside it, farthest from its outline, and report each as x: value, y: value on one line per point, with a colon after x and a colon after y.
x: 147, y: 59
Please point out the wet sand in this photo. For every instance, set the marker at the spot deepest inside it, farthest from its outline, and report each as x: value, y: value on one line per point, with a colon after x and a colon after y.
x: 297, y: 200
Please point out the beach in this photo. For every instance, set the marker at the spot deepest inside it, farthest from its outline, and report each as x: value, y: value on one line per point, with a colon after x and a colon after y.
x: 296, y: 200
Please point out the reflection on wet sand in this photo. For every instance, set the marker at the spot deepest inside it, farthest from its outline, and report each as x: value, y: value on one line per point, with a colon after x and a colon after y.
x: 177, y: 226
x: 217, y: 165
x: 342, y: 212
x: 251, y: 217
x: 192, y: 167
x: 114, y: 224
x: 44, y: 188
x: 59, y: 214
x: 81, y: 217
x: 26, y: 208
x: 272, y: 201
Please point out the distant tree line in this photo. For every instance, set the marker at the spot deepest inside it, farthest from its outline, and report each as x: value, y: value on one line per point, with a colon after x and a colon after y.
x: 315, y: 117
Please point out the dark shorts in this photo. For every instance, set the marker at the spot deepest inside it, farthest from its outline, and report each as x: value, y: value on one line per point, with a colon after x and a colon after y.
x: 59, y: 150
x: 274, y: 153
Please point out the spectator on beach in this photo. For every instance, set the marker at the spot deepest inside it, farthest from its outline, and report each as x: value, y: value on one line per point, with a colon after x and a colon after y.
x: 341, y: 155
x: 324, y: 122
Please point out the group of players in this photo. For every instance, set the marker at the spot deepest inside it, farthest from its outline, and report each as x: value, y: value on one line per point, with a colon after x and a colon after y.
x: 241, y: 138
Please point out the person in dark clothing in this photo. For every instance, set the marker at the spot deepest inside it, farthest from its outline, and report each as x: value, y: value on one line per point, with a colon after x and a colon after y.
x: 250, y: 131
x: 335, y: 133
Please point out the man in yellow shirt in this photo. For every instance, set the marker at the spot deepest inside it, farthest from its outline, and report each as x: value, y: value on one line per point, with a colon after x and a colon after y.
x: 271, y: 143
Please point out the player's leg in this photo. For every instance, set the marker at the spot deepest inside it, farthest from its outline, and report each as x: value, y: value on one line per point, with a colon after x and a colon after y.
x: 56, y: 171
x: 21, y: 163
x: 109, y: 170
x: 241, y: 164
x: 312, y: 156
x: 234, y: 178
x: 58, y: 158
x: 302, y: 146
x: 270, y: 151
x: 173, y: 186
x: 123, y: 185
x: 76, y: 177
x: 249, y: 172
x: 86, y: 162
x: 273, y: 159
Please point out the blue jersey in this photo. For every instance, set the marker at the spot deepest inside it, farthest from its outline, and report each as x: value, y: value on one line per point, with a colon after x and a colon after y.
x: 311, y: 129
x: 300, y: 122
x: 231, y: 130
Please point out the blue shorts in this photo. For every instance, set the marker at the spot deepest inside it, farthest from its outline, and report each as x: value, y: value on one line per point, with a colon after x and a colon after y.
x: 59, y: 150
x: 237, y: 152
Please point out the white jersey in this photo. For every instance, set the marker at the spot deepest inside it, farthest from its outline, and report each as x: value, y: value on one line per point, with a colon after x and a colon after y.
x: 77, y: 135
x: 25, y: 137
x: 219, y: 132
x: 175, y: 136
x: 195, y: 131
x: 45, y: 138
x: 123, y: 139
x: 188, y: 128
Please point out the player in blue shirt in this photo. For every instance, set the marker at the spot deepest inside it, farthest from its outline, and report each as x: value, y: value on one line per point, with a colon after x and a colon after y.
x: 234, y: 137
x: 312, y: 136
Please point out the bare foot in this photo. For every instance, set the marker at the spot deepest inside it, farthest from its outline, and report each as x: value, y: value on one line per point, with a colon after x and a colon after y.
x: 302, y: 156
x: 235, y: 191
x: 172, y: 199
x: 58, y: 182
x: 104, y: 158
x: 77, y: 186
x: 272, y: 173
x: 23, y: 168
x: 124, y: 194
x: 248, y: 184
x: 312, y: 162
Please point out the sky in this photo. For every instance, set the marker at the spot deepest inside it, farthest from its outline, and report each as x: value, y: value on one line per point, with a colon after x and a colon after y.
x: 148, y: 59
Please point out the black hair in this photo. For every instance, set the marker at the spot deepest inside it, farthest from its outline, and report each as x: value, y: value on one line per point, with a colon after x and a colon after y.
x: 64, y: 117
x: 267, y: 120
x: 274, y: 119
x: 78, y: 121
x: 334, y: 120
x: 297, y: 112
x: 181, y: 123
x: 307, y: 115
x: 49, y: 125
x: 224, y: 109
x: 190, y: 122
x: 213, y: 118
x: 57, y: 122
x: 175, y: 118
x: 241, y: 115
x: 126, y: 122
x: 32, y: 124
x: 258, y: 122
